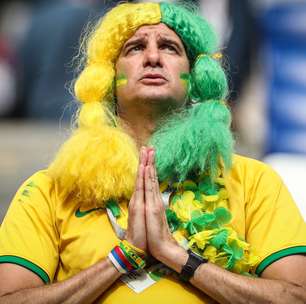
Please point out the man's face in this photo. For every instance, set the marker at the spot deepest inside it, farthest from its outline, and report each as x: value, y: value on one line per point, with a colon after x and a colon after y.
x: 150, y: 68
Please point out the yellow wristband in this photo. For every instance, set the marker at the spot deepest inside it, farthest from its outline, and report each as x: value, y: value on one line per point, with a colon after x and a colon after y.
x: 136, y: 249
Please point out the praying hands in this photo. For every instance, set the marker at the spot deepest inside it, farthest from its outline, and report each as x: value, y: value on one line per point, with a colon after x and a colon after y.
x: 147, y: 223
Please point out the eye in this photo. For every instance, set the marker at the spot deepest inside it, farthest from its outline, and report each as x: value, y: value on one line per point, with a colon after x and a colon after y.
x: 169, y: 47
x: 135, y: 48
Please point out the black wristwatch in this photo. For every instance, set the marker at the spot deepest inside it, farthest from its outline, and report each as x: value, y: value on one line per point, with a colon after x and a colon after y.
x: 193, y: 262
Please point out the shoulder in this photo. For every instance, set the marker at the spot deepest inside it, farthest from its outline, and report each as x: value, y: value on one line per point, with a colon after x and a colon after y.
x: 36, y: 192
x: 41, y: 178
x: 250, y: 179
x: 40, y: 181
x: 248, y: 169
x: 248, y: 164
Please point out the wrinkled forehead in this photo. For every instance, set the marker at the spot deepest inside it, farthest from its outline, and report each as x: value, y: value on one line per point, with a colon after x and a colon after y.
x: 156, y: 30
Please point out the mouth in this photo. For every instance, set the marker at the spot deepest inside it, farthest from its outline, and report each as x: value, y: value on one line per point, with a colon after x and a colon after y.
x: 153, y: 79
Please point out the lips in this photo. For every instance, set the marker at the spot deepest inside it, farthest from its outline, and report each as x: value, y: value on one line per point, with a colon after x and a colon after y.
x: 153, y: 79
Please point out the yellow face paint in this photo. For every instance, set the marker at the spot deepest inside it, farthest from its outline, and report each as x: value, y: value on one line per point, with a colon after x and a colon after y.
x: 121, y: 80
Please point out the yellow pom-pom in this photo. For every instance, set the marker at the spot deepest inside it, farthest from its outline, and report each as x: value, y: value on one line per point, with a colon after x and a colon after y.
x: 211, y: 198
x: 222, y: 203
x: 223, y: 194
x: 188, y: 197
x: 179, y: 236
x: 197, y: 205
x: 201, y: 238
x: 210, y: 253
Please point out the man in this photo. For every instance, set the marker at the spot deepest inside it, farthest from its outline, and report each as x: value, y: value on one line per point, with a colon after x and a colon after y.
x: 236, y: 217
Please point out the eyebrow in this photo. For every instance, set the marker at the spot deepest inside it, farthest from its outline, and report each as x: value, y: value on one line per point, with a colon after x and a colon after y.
x: 171, y: 41
x: 134, y: 41
x: 161, y: 38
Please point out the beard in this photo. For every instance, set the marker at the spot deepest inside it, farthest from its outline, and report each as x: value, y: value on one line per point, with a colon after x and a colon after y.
x: 193, y: 140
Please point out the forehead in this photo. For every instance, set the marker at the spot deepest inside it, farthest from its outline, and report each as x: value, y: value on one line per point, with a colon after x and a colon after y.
x: 157, y: 30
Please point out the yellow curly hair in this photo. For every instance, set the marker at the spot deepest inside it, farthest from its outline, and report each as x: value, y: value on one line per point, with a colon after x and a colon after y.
x: 99, y: 161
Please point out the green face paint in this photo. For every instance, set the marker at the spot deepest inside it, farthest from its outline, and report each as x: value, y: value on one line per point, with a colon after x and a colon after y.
x: 121, y: 80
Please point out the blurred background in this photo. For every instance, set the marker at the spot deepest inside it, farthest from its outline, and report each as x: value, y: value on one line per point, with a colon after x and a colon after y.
x: 264, y: 47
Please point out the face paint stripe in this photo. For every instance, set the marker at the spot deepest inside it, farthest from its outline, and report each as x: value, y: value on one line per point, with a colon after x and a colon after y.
x: 121, y: 79
x: 121, y: 82
x: 185, y: 78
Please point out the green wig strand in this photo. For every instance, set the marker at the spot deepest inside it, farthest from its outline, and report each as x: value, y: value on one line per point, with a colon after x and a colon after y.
x: 195, y: 139
x: 199, y: 137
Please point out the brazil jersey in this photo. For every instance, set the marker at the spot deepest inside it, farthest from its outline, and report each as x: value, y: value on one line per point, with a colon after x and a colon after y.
x: 57, y: 238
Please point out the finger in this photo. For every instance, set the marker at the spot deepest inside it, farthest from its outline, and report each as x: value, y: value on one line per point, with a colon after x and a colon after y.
x: 149, y: 196
x: 138, y: 195
x: 139, y: 189
x: 154, y: 179
x: 143, y: 156
x: 150, y: 153
x: 154, y: 175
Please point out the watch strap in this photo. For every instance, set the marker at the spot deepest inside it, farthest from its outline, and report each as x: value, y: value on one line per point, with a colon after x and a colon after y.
x: 193, y: 262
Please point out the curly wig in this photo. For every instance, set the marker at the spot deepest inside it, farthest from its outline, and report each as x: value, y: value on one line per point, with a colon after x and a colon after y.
x: 99, y: 161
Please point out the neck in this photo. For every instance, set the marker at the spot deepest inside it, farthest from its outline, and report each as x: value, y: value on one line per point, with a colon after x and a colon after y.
x: 139, y: 123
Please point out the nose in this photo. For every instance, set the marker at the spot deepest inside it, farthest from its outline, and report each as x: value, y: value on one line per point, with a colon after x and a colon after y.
x: 152, y: 56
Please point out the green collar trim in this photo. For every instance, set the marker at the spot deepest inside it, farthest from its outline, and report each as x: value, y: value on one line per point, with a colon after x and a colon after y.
x: 278, y: 255
x: 27, y: 264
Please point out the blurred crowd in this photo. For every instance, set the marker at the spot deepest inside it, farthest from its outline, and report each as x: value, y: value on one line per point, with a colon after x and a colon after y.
x: 263, y: 43
x: 265, y: 38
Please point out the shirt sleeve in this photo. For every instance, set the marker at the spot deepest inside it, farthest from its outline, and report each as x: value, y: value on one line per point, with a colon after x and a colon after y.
x: 275, y: 227
x: 28, y: 235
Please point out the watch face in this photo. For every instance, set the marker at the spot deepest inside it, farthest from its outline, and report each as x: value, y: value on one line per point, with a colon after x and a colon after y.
x: 189, y: 268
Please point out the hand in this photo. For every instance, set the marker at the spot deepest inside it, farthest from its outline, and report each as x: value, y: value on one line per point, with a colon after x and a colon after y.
x: 136, y: 231
x: 159, y: 237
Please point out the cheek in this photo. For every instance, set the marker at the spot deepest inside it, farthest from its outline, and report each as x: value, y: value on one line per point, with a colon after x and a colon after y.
x: 121, y: 80
x: 185, y: 80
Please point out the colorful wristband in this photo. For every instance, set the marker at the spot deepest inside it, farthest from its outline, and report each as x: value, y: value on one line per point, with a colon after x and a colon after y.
x: 125, y: 259
x: 116, y: 263
x: 121, y: 255
x: 132, y: 256
x: 139, y: 251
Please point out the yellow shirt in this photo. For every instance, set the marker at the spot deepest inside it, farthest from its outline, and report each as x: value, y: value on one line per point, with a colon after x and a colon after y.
x: 57, y: 239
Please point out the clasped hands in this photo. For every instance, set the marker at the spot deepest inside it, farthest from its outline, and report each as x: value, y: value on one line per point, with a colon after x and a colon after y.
x: 147, y: 224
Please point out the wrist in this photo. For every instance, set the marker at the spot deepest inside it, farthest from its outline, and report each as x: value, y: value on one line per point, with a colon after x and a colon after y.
x: 112, y: 266
x: 173, y: 256
x: 125, y: 258
x: 192, y: 265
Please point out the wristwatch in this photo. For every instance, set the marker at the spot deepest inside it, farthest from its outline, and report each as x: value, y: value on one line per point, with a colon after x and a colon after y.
x: 193, y: 262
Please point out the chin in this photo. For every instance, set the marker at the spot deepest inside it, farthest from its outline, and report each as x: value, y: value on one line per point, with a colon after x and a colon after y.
x: 162, y: 103
x: 158, y: 95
